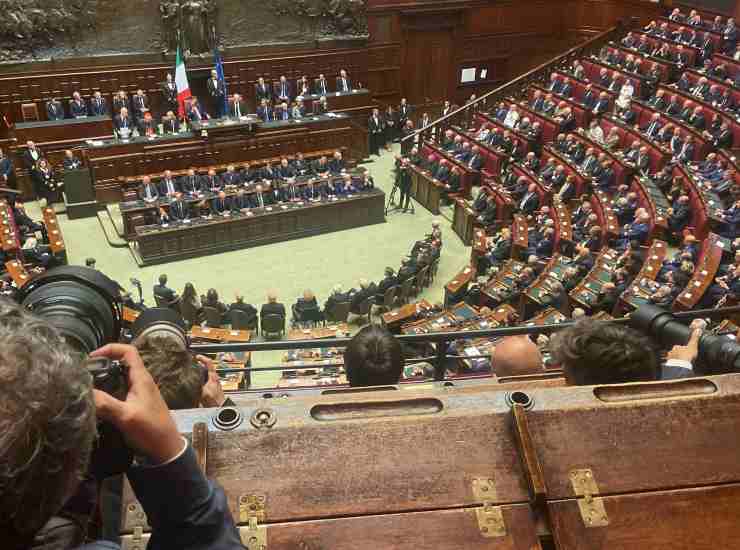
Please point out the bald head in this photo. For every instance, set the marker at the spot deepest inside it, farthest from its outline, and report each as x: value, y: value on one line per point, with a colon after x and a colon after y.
x: 516, y: 356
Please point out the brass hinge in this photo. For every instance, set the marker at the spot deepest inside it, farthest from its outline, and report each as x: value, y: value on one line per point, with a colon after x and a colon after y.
x: 135, y: 517
x: 592, y: 508
x: 490, y: 517
x: 136, y: 541
x: 252, y: 514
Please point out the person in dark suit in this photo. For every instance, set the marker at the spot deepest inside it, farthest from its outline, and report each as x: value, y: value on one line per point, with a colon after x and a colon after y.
x: 530, y: 201
x: 179, y: 210
x: 404, y: 112
x: 336, y: 165
x: 211, y: 182
x: 163, y: 292
x: 98, y: 106
x: 302, y: 86
x: 139, y: 104
x: 320, y: 86
x: 282, y: 90
x: 195, y: 112
x: 237, y: 107
x: 248, y: 309
x: 71, y: 162
x: 264, y: 111
x: 77, y: 106
x: 7, y: 171
x: 262, y: 91
x: 54, y: 109
x: 389, y: 280
x: 167, y: 185
x: 272, y: 307
x: 31, y: 155
x: 220, y: 205
x: 190, y: 183
x: 282, y: 112
x: 231, y: 178
x: 46, y: 183
x: 123, y: 124
x: 120, y: 101
x: 169, y: 93
x: 343, y: 82
x: 147, y: 191
x: 679, y: 214
x: 170, y: 124
x: 217, y: 92
x: 241, y: 202
x: 375, y: 132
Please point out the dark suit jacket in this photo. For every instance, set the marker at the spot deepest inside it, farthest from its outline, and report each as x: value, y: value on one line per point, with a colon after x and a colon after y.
x: 263, y: 92
x: 277, y: 89
x: 78, y: 109
x: 119, y: 122
x: 339, y: 84
x: 164, y: 292
x: 171, y: 126
x: 219, y: 206
x: 272, y: 309
x: 320, y: 87
x: 190, y: 186
x: 98, y: 109
x: 55, y: 110
x: 162, y: 186
x: 179, y: 210
x: 153, y: 191
x: 242, y: 108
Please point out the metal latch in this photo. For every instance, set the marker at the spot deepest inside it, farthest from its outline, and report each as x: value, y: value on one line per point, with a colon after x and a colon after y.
x: 490, y: 517
x: 135, y: 517
x: 592, y: 508
x: 252, y: 516
x: 138, y: 540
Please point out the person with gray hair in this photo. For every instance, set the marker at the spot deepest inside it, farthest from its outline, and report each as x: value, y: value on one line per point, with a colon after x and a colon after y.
x: 47, y: 429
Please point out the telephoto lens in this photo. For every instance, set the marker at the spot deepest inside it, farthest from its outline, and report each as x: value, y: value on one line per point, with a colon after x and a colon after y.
x: 82, y: 303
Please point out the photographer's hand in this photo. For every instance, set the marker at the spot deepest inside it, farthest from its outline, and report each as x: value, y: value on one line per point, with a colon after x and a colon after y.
x: 213, y: 393
x: 688, y: 352
x: 143, y: 417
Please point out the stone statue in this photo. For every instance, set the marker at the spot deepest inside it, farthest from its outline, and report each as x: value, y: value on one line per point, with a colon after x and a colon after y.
x: 193, y: 20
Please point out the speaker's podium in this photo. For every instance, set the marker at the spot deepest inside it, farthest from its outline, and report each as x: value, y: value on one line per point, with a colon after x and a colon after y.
x: 79, y: 195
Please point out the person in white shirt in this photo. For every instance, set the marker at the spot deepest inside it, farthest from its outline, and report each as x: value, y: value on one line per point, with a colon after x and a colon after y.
x: 625, y: 95
x: 512, y: 118
x: 595, y: 132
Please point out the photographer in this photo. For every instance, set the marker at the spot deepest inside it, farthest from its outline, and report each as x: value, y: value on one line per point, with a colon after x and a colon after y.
x: 403, y: 182
x: 48, y: 428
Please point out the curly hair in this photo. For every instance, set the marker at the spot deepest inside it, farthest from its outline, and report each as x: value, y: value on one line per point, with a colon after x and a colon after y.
x: 604, y: 353
x: 373, y: 358
x: 47, y: 422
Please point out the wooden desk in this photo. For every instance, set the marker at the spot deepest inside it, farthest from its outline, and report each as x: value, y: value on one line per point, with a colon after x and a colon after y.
x: 18, y: 273
x: 56, y: 240
x: 113, y: 161
x: 283, y: 222
x: 588, y: 289
x: 499, y: 287
x: 317, y: 333
x: 601, y: 205
x: 563, y: 230
x: 636, y: 294
x: 467, y: 175
x: 548, y: 316
x: 463, y: 220
x: 654, y: 201
x: 706, y: 205
x: 459, y: 284
x: 460, y: 317
x: 394, y: 319
x: 704, y: 274
x: 480, y: 246
x: 219, y: 334
x: 10, y: 237
x: 541, y: 286
x: 425, y: 189
x: 65, y: 130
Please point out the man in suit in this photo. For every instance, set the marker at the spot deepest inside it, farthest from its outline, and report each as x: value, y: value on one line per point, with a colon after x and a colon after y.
x: 404, y: 112
x: 272, y: 307
x: 122, y: 123
x: 242, y: 202
x: 530, y: 201
x: 602, y: 105
x: 321, y: 166
x: 343, y: 82
x: 77, y: 106
x: 282, y: 90
x: 567, y: 89
x: 139, y: 104
x: 653, y: 127
x: 120, y: 100
x: 195, y: 111
x: 237, y: 107
x: 163, y: 292
x: 169, y: 93
x: 475, y: 160
x: 220, y: 205
x: 282, y: 112
x: 7, y: 172
x: 190, y: 183
x: 300, y: 165
x: 31, y: 155
x: 264, y: 111
x: 54, y: 109
x: 179, y: 210
x: 538, y: 101
x: 679, y: 214
x: 448, y: 108
x: 148, y: 192
x: 320, y: 86
x: 231, y: 178
x: 98, y: 106
x: 170, y: 124
x: 696, y: 119
x: 262, y: 91
x: 589, y: 98
x: 723, y: 138
x: 389, y: 281
x: 211, y: 182
x: 167, y: 185
x: 568, y: 190
x: 336, y: 165
x: 217, y: 92
x: 70, y: 161
x: 375, y: 131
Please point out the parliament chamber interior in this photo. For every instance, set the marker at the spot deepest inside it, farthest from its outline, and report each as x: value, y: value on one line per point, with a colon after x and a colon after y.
x: 370, y: 274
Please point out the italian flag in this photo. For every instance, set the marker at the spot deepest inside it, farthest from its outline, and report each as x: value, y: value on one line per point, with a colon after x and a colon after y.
x: 181, y: 83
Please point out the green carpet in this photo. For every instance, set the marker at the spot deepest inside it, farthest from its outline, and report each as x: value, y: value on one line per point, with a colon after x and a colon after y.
x: 289, y: 267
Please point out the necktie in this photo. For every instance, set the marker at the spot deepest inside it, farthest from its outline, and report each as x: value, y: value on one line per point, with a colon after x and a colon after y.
x: 170, y: 189
x: 344, y: 84
x: 284, y: 94
x: 238, y: 110
x: 148, y: 192
x: 261, y: 203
